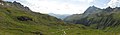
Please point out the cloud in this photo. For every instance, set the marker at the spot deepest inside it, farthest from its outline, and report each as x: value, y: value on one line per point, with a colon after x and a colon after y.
x: 100, y: 3
x: 57, y: 6
x: 114, y: 3
x: 66, y: 6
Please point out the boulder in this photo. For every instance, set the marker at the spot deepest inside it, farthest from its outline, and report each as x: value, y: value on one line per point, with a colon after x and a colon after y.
x: 38, y: 33
x: 24, y: 18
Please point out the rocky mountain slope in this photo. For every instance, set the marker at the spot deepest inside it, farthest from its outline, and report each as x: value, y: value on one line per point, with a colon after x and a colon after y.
x: 108, y: 18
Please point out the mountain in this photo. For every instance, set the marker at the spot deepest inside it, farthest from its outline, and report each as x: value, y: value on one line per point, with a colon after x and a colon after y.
x: 75, y: 17
x: 59, y: 16
x: 92, y: 10
x: 108, y: 18
x: 17, y: 19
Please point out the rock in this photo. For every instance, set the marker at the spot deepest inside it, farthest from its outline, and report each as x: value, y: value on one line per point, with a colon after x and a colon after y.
x: 24, y: 18
x: 38, y: 33
x: 8, y: 12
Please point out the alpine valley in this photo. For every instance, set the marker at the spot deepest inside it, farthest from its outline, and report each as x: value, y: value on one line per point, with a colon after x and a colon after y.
x: 17, y: 19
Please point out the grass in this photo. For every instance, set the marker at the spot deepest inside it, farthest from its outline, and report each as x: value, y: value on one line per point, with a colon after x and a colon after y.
x: 41, y: 24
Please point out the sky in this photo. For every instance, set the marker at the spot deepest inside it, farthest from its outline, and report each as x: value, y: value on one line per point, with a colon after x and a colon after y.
x: 66, y: 6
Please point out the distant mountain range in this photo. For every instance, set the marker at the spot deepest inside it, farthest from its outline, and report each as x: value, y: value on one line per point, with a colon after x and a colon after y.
x: 59, y: 16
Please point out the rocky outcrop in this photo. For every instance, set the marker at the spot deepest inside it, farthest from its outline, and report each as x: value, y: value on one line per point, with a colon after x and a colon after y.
x: 24, y: 18
x: 37, y: 33
x: 20, y: 6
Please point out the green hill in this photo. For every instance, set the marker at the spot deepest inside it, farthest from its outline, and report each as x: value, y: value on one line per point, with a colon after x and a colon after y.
x: 16, y: 19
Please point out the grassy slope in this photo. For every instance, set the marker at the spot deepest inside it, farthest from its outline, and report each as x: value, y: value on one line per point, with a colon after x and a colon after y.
x: 47, y: 25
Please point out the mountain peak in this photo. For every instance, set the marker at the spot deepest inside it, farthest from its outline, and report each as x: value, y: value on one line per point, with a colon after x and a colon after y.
x: 92, y: 6
x: 91, y: 10
x: 108, y: 9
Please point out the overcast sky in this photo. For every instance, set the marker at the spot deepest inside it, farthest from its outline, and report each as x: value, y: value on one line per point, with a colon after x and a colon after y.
x: 66, y: 6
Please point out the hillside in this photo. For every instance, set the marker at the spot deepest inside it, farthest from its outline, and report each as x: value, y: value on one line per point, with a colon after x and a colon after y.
x: 105, y: 19
x: 16, y: 19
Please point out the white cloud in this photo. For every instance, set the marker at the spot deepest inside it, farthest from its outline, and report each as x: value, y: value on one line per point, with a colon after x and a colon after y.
x: 86, y: 0
x: 90, y: 1
x: 66, y: 6
x: 45, y: 6
x: 57, y: 6
x: 114, y: 3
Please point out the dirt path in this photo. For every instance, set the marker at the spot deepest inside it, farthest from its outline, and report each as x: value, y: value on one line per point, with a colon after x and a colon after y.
x: 62, y: 30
